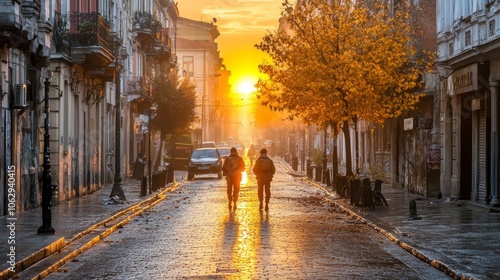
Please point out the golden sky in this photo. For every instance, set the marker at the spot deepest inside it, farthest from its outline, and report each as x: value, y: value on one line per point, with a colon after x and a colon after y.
x: 242, y: 24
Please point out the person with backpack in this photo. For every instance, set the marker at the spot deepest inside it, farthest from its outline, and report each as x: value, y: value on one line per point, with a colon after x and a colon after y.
x: 232, y: 168
x: 264, y: 170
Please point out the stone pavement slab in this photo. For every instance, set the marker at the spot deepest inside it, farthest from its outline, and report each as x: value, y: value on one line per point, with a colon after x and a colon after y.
x: 68, y: 218
x: 457, y: 237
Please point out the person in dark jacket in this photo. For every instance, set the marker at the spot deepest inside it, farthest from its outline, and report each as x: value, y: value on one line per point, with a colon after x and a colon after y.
x: 264, y: 170
x: 232, y: 168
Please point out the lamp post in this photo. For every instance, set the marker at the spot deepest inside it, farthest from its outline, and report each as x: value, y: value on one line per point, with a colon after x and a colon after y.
x: 117, y: 190
x: 47, y: 176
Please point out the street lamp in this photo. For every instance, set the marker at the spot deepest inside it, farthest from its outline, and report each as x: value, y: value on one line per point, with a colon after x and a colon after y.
x: 47, y: 176
x: 117, y: 190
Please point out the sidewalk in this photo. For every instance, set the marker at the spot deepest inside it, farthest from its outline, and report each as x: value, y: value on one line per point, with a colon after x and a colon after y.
x: 68, y: 218
x: 459, y: 238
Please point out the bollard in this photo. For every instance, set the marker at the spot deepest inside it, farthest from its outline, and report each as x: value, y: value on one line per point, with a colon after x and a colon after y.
x: 144, y: 185
x: 170, y: 174
x: 413, y: 211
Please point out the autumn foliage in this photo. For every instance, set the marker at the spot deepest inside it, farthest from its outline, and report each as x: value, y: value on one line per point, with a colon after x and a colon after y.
x: 334, y: 61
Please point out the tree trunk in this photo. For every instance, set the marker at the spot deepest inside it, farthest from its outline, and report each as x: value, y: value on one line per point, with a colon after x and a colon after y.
x: 335, y: 162
x: 356, y: 144
x: 348, y: 161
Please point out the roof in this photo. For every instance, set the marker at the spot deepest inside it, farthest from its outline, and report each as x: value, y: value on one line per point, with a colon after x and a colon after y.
x: 183, y: 43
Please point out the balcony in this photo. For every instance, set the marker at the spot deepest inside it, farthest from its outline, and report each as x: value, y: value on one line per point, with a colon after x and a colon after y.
x: 161, y: 47
x: 31, y: 8
x: 146, y: 28
x: 11, y: 29
x: 90, y: 36
x: 138, y: 89
x: 61, y: 38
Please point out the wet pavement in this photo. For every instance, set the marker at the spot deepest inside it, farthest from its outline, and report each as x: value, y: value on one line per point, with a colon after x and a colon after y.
x: 456, y: 237
x: 192, y: 235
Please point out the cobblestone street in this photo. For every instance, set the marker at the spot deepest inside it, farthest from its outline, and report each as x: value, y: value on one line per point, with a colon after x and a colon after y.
x: 192, y: 234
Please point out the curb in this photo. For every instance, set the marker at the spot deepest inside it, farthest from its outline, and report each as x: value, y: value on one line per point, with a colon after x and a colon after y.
x: 62, y: 243
x: 415, y: 252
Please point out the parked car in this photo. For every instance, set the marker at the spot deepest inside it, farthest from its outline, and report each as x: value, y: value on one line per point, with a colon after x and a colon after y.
x: 205, y: 161
x: 224, y: 151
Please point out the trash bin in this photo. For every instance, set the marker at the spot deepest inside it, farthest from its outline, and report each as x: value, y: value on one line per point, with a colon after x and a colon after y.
x: 355, y: 189
x: 144, y: 185
x: 170, y: 173
x: 367, y: 194
x: 310, y: 171
x: 159, y: 179
x: 340, y: 183
x: 295, y: 163
x: 163, y: 179
x: 154, y: 181
x: 139, y: 165
x: 318, y: 171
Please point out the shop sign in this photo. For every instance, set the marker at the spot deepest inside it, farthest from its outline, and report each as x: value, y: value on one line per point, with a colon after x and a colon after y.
x: 464, y: 79
x: 408, y: 124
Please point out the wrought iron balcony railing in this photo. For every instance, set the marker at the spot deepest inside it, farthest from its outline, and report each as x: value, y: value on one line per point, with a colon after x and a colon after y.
x: 61, y: 35
x: 89, y: 29
x: 138, y: 85
x: 147, y: 28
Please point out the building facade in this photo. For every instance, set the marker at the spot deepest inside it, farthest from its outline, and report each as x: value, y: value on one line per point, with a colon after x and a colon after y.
x: 95, y: 51
x: 469, y: 69
x: 25, y: 38
x: 152, y: 48
x: 199, y: 60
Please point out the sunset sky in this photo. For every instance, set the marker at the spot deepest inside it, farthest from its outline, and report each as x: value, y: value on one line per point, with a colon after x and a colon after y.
x: 242, y: 24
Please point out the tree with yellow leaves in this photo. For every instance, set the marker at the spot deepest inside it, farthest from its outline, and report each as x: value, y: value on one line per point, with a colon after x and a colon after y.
x: 337, y: 61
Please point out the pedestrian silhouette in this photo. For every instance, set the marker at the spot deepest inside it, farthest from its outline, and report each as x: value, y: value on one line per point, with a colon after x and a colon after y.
x: 232, y: 168
x: 264, y: 170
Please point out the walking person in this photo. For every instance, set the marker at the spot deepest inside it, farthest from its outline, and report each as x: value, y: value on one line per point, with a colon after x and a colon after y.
x: 232, y: 168
x: 264, y: 170
x: 251, y: 154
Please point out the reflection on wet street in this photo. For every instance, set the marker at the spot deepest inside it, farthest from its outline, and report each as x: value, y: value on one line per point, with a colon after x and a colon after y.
x: 192, y: 234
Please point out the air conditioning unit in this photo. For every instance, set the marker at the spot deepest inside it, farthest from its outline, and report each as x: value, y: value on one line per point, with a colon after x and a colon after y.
x: 20, y: 95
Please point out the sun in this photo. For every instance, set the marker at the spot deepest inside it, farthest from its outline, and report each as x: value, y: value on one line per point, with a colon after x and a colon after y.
x: 245, y: 86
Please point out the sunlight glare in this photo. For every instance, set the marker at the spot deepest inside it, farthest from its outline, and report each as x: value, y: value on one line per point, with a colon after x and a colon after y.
x: 245, y: 87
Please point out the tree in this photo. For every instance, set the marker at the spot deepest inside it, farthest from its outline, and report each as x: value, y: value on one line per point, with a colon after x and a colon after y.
x: 176, y: 105
x: 337, y: 61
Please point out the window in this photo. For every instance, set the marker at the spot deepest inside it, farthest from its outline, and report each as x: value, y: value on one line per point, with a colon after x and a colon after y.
x: 188, y: 66
x: 467, y: 38
x: 492, y: 28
